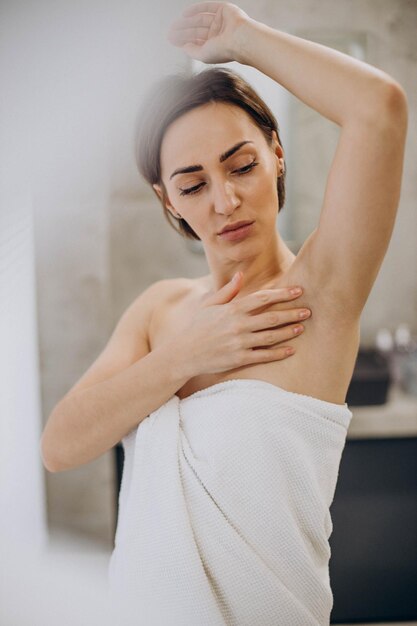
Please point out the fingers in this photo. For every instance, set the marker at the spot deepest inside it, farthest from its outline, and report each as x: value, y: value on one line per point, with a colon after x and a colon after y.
x: 197, y: 21
x: 267, y: 354
x: 200, y: 7
x: 267, y: 338
x: 265, y: 297
x: 187, y: 35
x: 270, y: 319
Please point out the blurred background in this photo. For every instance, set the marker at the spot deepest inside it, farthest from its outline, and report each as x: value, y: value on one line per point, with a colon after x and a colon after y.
x: 81, y: 235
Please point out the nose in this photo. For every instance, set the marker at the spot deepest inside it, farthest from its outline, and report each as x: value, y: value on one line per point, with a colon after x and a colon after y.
x: 225, y: 198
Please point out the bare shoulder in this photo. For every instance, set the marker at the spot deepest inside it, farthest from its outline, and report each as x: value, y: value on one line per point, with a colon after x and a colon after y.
x: 129, y: 340
x: 152, y: 297
x: 173, y: 300
x: 165, y: 293
x: 166, y: 290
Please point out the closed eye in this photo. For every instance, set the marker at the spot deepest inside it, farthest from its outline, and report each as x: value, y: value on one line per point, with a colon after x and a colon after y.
x: 242, y: 170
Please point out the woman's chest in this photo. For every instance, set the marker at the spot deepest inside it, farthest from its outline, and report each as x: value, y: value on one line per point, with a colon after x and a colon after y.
x: 325, y: 353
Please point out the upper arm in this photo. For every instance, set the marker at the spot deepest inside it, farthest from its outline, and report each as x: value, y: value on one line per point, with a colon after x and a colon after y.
x: 128, y: 343
x: 360, y: 204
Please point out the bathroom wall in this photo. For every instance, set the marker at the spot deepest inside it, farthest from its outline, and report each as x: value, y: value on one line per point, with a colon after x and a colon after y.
x: 101, y: 237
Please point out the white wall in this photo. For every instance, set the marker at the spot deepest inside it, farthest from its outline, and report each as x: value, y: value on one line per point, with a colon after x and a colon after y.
x: 22, y: 488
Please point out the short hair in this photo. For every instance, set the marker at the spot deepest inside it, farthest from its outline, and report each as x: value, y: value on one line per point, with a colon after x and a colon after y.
x: 176, y: 94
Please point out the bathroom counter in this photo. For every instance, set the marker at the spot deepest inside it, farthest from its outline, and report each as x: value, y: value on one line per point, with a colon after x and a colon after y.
x: 396, y: 418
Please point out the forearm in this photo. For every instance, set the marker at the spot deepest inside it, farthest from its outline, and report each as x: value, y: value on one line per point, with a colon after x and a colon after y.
x: 336, y: 85
x: 87, y: 423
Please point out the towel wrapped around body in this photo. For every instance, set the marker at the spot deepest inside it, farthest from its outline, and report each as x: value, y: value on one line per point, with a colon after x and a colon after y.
x: 224, y: 509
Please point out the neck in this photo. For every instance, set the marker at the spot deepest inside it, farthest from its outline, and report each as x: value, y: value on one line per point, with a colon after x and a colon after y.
x: 260, y: 271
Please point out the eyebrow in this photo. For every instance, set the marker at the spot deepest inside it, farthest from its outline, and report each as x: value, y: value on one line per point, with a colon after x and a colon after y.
x: 223, y: 157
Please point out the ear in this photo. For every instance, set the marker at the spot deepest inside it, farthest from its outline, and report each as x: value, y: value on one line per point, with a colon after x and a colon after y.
x: 166, y: 202
x: 279, y: 152
x: 158, y: 191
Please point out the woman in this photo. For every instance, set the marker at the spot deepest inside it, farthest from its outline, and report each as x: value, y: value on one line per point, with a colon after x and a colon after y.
x: 224, y: 505
x: 193, y: 121
x: 225, y: 519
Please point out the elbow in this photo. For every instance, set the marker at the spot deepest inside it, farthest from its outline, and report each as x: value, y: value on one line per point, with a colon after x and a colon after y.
x: 394, y: 104
x: 386, y: 104
x: 388, y: 111
x: 397, y: 98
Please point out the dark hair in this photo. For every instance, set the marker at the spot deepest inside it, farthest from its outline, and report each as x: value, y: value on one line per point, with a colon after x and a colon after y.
x: 176, y: 94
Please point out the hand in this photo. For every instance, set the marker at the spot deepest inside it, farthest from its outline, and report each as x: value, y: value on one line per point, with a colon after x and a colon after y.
x: 207, y: 30
x: 224, y: 335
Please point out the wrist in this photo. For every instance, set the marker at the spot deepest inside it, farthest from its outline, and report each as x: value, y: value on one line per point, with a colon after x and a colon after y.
x: 242, y: 36
x: 181, y: 358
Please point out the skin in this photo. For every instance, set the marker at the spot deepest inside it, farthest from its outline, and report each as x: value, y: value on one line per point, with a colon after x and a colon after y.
x: 341, y: 257
x: 327, y: 352
x: 226, y: 196
x: 344, y: 253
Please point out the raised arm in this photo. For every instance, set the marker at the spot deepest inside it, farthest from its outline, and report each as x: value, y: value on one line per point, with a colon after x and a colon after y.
x: 345, y: 251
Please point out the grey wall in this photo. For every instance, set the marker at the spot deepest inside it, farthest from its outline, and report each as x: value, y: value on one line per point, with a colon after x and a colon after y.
x: 100, y: 234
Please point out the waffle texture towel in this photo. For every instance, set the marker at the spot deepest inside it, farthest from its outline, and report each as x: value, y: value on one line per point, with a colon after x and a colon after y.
x: 224, y: 509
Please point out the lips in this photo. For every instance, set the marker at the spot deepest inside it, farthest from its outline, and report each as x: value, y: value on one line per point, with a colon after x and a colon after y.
x: 235, y: 226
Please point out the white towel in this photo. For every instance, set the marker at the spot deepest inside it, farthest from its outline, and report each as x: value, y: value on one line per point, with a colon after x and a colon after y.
x: 224, y: 509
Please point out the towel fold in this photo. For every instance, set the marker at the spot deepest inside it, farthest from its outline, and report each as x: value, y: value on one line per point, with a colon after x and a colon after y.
x: 224, y: 509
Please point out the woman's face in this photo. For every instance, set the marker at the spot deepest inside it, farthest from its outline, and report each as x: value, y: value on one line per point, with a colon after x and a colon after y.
x: 209, y: 190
